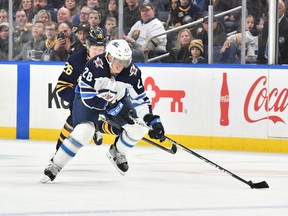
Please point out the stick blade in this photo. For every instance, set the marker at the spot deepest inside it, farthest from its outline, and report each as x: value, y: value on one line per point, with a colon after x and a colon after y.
x: 258, y: 185
x: 173, y: 149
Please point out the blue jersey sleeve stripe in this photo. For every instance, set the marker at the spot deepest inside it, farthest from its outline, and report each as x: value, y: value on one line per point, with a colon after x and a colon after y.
x: 140, y: 96
x: 87, y: 95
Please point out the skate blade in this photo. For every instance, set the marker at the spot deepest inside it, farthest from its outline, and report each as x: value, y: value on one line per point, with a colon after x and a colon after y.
x: 45, y: 179
x: 114, y: 164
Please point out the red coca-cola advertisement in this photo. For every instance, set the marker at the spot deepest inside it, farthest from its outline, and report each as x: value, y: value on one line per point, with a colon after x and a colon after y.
x: 224, y: 102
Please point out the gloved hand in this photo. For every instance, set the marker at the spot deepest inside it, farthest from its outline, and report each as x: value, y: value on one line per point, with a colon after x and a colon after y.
x: 157, y: 131
x: 119, y: 113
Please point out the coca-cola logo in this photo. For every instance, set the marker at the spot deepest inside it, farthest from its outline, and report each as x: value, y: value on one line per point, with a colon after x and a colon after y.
x: 260, y: 97
x: 175, y: 95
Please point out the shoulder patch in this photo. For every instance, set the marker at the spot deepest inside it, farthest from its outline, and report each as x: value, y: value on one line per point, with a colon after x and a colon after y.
x: 133, y: 70
x: 98, y: 63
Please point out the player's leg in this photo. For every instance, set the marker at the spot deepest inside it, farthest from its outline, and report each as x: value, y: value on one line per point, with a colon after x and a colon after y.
x: 84, y: 120
x: 128, y: 138
x: 65, y: 132
x: 80, y: 136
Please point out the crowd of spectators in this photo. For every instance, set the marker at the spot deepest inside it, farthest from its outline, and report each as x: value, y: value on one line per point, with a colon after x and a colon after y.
x: 47, y: 30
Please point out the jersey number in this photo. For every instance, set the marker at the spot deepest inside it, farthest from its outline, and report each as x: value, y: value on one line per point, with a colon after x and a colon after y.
x: 87, y: 75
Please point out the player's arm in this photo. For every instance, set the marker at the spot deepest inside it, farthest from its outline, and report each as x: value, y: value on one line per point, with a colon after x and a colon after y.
x: 66, y: 83
x: 142, y: 105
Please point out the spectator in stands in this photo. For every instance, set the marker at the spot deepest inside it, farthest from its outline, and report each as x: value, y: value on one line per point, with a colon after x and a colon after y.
x: 180, y: 52
x: 80, y: 41
x: 196, y: 52
x: 42, y: 4
x: 97, y: 5
x: 110, y: 23
x: 230, y: 21
x: 51, y: 39
x: 43, y: 16
x: 72, y: 6
x: 63, y: 44
x: 82, y: 16
x: 172, y: 7
x: 282, y: 38
x: 27, y: 6
x: 64, y: 15
x: 219, y: 37
x: 22, y: 33
x: 232, y: 45
x: 257, y: 8
x: 111, y: 9
x: 3, y: 15
x: 4, y: 43
x: 186, y: 12
x: 146, y: 28
x: 137, y: 51
x: 94, y: 20
x: 33, y: 50
x: 131, y: 14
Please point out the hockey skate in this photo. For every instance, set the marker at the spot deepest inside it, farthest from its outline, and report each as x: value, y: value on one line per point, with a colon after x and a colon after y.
x: 98, y: 138
x: 50, y: 172
x: 118, y: 160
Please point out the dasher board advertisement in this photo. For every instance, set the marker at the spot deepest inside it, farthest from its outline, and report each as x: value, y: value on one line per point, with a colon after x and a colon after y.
x: 47, y: 110
x: 8, y: 100
x: 196, y: 100
x: 202, y: 102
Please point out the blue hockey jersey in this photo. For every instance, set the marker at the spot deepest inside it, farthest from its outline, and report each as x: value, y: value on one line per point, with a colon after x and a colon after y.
x: 97, y: 87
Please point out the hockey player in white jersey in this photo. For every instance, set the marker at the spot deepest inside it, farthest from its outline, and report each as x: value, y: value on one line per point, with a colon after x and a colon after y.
x: 110, y: 85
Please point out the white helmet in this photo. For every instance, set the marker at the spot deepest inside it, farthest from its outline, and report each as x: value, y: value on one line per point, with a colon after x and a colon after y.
x: 119, y: 49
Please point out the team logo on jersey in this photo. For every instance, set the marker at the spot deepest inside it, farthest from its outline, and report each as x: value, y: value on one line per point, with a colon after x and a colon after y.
x: 135, y: 34
x: 108, y: 96
x: 98, y: 63
x: 133, y: 70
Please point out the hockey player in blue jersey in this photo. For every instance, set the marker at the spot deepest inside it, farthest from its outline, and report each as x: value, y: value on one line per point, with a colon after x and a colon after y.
x: 95, y: 45
x: 110, y: 85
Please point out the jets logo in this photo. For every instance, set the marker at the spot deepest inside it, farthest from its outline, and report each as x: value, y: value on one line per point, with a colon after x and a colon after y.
x: 98, y: 63
x: 108, y: 96
x: 133, y: 70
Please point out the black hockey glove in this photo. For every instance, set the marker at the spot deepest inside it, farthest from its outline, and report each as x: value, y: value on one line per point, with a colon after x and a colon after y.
x: 157, y: 131
x: 122, y: 111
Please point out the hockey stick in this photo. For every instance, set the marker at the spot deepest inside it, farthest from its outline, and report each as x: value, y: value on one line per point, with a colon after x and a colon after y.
x: 171, y: 150
x: 258, y: 185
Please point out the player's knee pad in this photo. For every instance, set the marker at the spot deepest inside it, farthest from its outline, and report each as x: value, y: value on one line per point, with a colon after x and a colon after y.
x: 135, y: 131
x: 83, y: 132
x: 130, y: 136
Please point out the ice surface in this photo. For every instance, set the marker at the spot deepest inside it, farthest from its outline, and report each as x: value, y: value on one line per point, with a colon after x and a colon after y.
x: 156, y: 184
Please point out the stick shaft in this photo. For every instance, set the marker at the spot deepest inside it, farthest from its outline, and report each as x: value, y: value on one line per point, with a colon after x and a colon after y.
x: 208, y: 161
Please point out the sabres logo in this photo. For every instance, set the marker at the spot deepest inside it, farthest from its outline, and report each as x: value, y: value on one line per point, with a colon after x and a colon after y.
x: 133, y: 70
x: 98, y: 63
